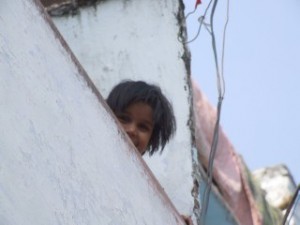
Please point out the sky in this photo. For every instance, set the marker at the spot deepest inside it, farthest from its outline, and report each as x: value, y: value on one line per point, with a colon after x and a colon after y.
x: 261, y: 108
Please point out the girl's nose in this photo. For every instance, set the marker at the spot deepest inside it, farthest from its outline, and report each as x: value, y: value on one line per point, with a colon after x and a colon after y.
x: 131, y: 129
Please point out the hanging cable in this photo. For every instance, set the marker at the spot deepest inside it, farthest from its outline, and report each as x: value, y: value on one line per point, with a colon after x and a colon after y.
x: 216, y: 128
x: 206, y: 194
x: 190, y: 13
x: 223, y: 46
x: 201, y: 21
x: 221, y: 93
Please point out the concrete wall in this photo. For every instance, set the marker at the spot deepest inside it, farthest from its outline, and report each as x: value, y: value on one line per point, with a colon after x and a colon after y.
x: 63, y: 158
x: 137, y: 39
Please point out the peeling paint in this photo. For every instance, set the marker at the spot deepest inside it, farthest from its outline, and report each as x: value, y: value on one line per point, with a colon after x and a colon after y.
x: 186, y: 57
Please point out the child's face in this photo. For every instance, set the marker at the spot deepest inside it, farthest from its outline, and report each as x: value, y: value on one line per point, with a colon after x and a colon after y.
x: 137, y: 121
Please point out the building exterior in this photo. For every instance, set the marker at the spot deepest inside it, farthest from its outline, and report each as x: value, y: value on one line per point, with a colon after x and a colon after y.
x: 64, y: 159
x: 74, y: 164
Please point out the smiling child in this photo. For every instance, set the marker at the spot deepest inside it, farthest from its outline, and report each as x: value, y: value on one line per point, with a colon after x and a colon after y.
x: 145, y: 114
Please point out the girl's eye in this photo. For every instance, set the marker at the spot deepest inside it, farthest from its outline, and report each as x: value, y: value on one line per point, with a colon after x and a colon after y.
x: 144, y: 128
x: 124, y: 118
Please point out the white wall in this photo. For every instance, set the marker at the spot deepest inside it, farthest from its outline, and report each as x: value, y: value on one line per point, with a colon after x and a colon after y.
x: 137, y: 39
x: 63, y: 159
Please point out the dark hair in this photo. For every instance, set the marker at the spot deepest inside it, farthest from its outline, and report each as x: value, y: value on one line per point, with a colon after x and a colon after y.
x: 128, y: 92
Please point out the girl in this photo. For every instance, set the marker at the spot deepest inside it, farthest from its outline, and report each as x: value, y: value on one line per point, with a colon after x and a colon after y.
x: 145, y: 114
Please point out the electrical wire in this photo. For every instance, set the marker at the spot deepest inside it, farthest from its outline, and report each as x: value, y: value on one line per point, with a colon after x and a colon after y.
x: 190, y: 13
x: 210, y: 164
x: 216, y: 128
x: 223, y: 45
x: 221, y: 92
x: 201, y: 21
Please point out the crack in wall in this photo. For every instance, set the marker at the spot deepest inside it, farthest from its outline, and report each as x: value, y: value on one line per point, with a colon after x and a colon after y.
x: 186, y: 57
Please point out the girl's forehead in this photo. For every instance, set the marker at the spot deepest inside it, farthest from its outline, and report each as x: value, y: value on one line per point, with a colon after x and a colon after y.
x: 138, y: 104
x: 141, y: 111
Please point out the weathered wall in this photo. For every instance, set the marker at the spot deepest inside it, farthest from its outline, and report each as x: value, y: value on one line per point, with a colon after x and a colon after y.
x: 63, y: 159
x: 137, y: 39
